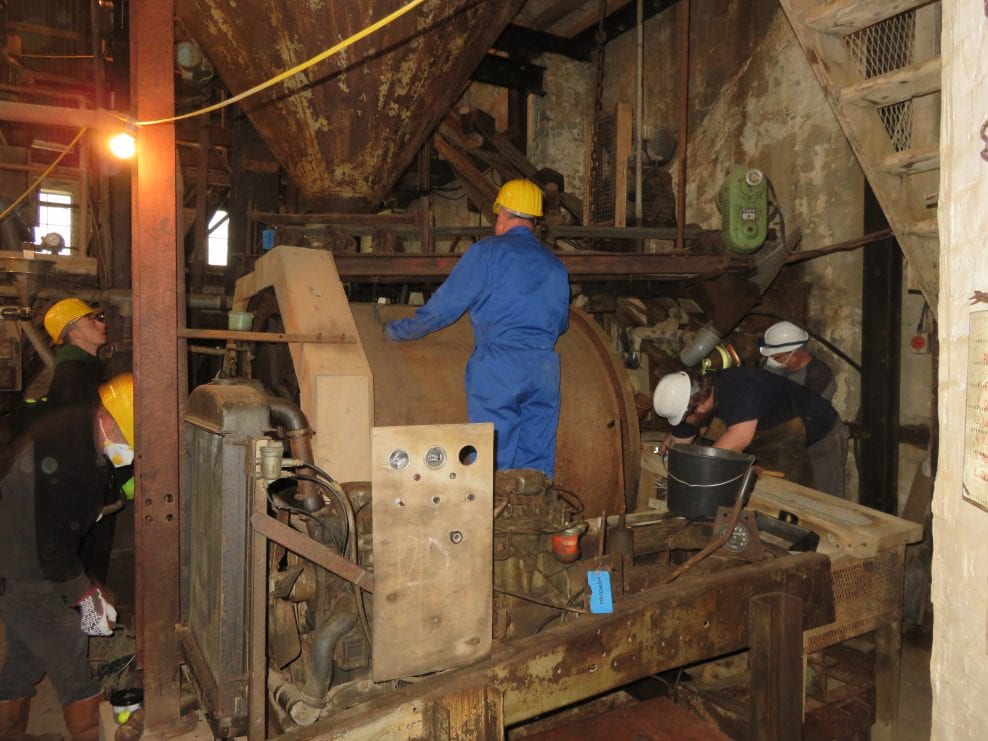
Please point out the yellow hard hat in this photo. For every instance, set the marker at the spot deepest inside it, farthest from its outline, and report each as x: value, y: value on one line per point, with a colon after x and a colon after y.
x: 521, y: 198
x: 62, y: 314
x: 117, y: 396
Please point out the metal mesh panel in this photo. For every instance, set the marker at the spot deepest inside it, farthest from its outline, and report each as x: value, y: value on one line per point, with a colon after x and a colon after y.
x: 602, y: 187
x: 867, y: 595
x: 881, y: 48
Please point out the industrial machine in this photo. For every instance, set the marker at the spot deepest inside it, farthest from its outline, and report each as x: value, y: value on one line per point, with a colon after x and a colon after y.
x: 395, y: 587
x: 743, y: 205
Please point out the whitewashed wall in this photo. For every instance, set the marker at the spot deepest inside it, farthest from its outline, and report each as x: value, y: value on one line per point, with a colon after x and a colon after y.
x: 960, y: 530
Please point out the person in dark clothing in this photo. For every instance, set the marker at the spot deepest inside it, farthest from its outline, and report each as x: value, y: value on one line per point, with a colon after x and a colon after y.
x: 78, y: 332
x: 787, y: 428
x: 517, y: 294
x: 52, y: 484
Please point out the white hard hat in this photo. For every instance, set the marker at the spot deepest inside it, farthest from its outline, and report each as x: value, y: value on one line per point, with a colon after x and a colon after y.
x: 782, y: 337
x: 671, y: 398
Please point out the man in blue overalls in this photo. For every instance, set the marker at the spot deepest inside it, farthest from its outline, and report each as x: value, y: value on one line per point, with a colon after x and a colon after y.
x: 517, y: 294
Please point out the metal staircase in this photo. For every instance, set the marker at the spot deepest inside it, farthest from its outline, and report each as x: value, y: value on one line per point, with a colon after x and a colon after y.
x: 878, y: 62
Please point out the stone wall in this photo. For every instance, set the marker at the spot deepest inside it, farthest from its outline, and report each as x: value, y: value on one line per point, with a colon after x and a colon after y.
x: 753, y: 101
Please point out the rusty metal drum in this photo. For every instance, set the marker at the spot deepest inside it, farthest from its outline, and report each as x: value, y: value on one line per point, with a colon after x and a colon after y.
x: 597, y: 446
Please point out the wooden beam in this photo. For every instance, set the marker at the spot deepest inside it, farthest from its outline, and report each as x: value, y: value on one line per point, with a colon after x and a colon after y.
x: 598, y: 266
x: 554, y: 13
x: 910, y: 161
x: 843, y: 17
x: 906, y: 83
x: 923, y: 228
x: 485, y: 125
x: 469, y: 174
x: 648, y: 632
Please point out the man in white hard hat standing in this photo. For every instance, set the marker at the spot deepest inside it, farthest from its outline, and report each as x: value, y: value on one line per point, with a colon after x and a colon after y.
x: 517, y: 294
x: 784, y: 349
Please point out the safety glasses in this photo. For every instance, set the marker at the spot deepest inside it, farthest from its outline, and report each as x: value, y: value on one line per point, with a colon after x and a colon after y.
x: 98, y: 316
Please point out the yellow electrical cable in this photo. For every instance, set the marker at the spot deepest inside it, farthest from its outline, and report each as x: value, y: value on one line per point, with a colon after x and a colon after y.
x: 288, y: 73
x: 41, y: 177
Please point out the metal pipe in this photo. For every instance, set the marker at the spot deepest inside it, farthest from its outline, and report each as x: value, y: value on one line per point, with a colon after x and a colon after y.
x: 39, y: 344
x: 122, y: 296
x: 299, y: 435
x: 49, y: 115
x: 60, y: 170
x: 204, y: 350
x: 639, y: 103
x: 684, y: 96
x: 342, y: 618
x: 94, y: 6
x: 36, y: 91
x: 81, y: 247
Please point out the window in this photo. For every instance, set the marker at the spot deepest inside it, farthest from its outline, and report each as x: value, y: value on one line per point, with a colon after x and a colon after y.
x: 54, y: 216
x: 219, y: 238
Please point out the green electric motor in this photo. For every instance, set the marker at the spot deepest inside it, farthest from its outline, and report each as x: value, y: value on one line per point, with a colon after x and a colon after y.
x: 743, y: 205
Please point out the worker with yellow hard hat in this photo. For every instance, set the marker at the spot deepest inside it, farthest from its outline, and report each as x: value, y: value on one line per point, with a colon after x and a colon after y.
x: 78, y: 331
x: 56, y: 481
x: 517, y: 295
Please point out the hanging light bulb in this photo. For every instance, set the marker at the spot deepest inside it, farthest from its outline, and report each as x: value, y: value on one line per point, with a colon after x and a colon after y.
x: 123, y: 145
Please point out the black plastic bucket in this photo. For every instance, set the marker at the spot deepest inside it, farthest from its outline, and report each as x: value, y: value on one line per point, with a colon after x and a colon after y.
x: 701, y: 479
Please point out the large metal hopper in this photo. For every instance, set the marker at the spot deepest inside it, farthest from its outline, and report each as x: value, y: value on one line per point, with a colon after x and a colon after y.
x: 346, y: 128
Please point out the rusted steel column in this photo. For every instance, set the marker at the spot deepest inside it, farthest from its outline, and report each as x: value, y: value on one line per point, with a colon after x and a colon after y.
x: 775, y: 627
x: 156, y: 311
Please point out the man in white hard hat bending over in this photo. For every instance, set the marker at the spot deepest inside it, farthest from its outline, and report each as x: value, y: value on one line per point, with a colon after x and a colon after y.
x: 786, y: 427
x: 517, y: 294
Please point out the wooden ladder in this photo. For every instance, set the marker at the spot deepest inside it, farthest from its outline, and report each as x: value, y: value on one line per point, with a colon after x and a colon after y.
x: 878, y: 62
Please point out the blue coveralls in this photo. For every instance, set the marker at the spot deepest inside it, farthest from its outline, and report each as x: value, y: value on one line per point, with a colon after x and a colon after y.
x: 517, y: 293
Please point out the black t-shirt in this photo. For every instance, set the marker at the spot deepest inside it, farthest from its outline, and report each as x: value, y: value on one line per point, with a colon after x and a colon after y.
x: 744, y: 394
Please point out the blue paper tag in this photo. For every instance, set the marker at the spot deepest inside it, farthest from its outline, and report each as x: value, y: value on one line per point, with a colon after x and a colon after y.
x: 600, y: 591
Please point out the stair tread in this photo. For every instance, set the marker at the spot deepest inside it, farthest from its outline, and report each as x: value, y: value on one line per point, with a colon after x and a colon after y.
x: 843, y: 17
x: 923, y: 228
x: 921, y: 78
x: 909, y: 161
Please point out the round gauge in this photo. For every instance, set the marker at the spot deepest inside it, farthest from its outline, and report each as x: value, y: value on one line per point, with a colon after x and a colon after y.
x: 435, y: 457
x: 398, y: 460
x: 738, y: 540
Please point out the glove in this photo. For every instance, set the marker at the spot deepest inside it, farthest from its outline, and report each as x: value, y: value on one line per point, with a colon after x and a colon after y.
x: 96, y: 614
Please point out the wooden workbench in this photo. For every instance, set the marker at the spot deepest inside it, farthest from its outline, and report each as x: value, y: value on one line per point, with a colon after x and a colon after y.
x: 867, y: 554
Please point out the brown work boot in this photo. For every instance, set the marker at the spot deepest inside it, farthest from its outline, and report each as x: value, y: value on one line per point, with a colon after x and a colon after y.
x: 82, y: 718
x: 13, y: 716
